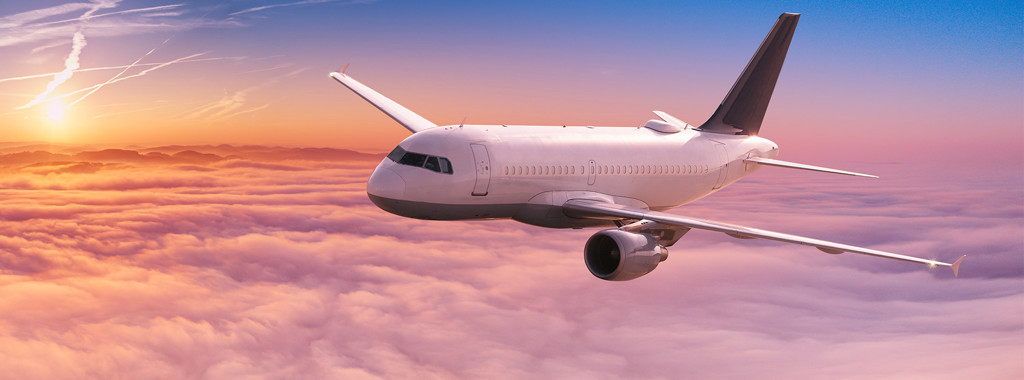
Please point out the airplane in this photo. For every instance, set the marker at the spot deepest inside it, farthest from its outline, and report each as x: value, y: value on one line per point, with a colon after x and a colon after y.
x: 586, y: 176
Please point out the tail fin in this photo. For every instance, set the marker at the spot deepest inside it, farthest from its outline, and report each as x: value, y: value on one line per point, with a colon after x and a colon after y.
x: 742, y: 110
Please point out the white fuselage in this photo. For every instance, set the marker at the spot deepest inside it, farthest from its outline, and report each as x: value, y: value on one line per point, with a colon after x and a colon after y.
x: 528, y: 172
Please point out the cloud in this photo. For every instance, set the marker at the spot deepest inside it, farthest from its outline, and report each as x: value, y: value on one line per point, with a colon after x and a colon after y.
x: 27, y: 27
x: 252, y: 261
x: 19, y: 19
x: 232, y: 105
x: 295, y: 3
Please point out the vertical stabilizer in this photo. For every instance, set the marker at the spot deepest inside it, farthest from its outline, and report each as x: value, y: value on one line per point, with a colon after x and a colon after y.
x: 742, y: 110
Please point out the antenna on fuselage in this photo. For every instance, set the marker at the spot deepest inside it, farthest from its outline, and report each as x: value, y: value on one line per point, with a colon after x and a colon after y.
x: 463, y: 122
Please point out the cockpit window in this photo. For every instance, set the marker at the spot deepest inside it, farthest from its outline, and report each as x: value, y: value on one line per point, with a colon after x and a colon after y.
x: 396, y: 154
x: 413, y: 159
x: 446, y: 167
x: 432, y: 163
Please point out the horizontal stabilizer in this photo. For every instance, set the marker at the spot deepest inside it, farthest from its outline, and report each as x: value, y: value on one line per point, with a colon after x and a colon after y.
x: 793, y: 165
x: 672, y: 120
x: 408, y: 119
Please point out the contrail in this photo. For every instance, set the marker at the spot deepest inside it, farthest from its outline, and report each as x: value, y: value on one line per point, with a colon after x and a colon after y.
x: 33, y: 76
x: 141, y: 73
x: 71, y: 63
x: 265, y: 7
x: 114, y: 78
x: 90, y: 17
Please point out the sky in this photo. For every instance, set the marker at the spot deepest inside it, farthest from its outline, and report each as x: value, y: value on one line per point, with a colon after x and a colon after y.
x: 939, y: 74
x: 183, y: 192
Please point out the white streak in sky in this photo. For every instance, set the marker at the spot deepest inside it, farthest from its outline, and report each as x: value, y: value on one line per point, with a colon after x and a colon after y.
x: 49, y: 46
x: 115, y: 77
x: 23, y: 18
x: 71, y: 63
x: 33, y: 76
x: 136, y: 10
x: 228, y: 116
x: 139, y: 74
x: 304, y: 2
x: 228, y: 106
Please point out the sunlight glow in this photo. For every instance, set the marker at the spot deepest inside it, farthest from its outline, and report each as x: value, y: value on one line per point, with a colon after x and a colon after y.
x: 55, y: 111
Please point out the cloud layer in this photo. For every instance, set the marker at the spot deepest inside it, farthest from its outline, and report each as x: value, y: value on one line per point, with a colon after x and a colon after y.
x: 232, y: 262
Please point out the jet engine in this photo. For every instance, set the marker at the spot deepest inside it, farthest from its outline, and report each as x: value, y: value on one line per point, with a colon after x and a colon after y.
x: 617, y: 255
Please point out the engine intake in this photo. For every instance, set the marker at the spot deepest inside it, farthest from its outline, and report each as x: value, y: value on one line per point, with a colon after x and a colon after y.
x: 617, y: 255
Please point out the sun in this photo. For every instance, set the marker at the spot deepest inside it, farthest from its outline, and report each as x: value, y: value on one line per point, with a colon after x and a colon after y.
x: 55, y: 112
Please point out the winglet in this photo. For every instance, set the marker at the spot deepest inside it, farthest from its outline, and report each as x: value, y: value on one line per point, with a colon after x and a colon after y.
x: 956, y: 265
x: 343, y: 68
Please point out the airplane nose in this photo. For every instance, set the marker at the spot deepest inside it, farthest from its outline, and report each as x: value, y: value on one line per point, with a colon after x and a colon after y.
x: 385, y: 183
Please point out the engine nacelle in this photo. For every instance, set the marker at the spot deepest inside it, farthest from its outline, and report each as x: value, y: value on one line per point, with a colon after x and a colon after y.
x: 617, y: 255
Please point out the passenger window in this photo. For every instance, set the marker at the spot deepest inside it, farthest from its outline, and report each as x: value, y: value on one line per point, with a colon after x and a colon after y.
x: 432, y: 164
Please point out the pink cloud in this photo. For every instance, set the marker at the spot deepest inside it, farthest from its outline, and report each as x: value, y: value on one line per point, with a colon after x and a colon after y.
x: 271, y: 265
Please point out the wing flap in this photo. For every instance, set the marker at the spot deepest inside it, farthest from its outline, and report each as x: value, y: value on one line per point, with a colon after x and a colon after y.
x: 408, y: 119
x: 585, y: 208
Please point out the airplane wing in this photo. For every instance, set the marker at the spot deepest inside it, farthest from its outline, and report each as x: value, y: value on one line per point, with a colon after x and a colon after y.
x: 408, y: 119
x: 593, y: 209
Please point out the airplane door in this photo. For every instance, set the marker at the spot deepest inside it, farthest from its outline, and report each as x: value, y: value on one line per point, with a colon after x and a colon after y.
x: 593, y: 173
x: 723, y: 158
x: 483, y: 169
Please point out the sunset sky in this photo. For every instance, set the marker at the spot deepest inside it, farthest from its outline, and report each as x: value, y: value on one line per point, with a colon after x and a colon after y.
x: 937, y: 74
x: 162, y: 213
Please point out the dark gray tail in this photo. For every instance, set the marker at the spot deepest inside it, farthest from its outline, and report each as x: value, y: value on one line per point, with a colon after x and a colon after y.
x: 742, y: 110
